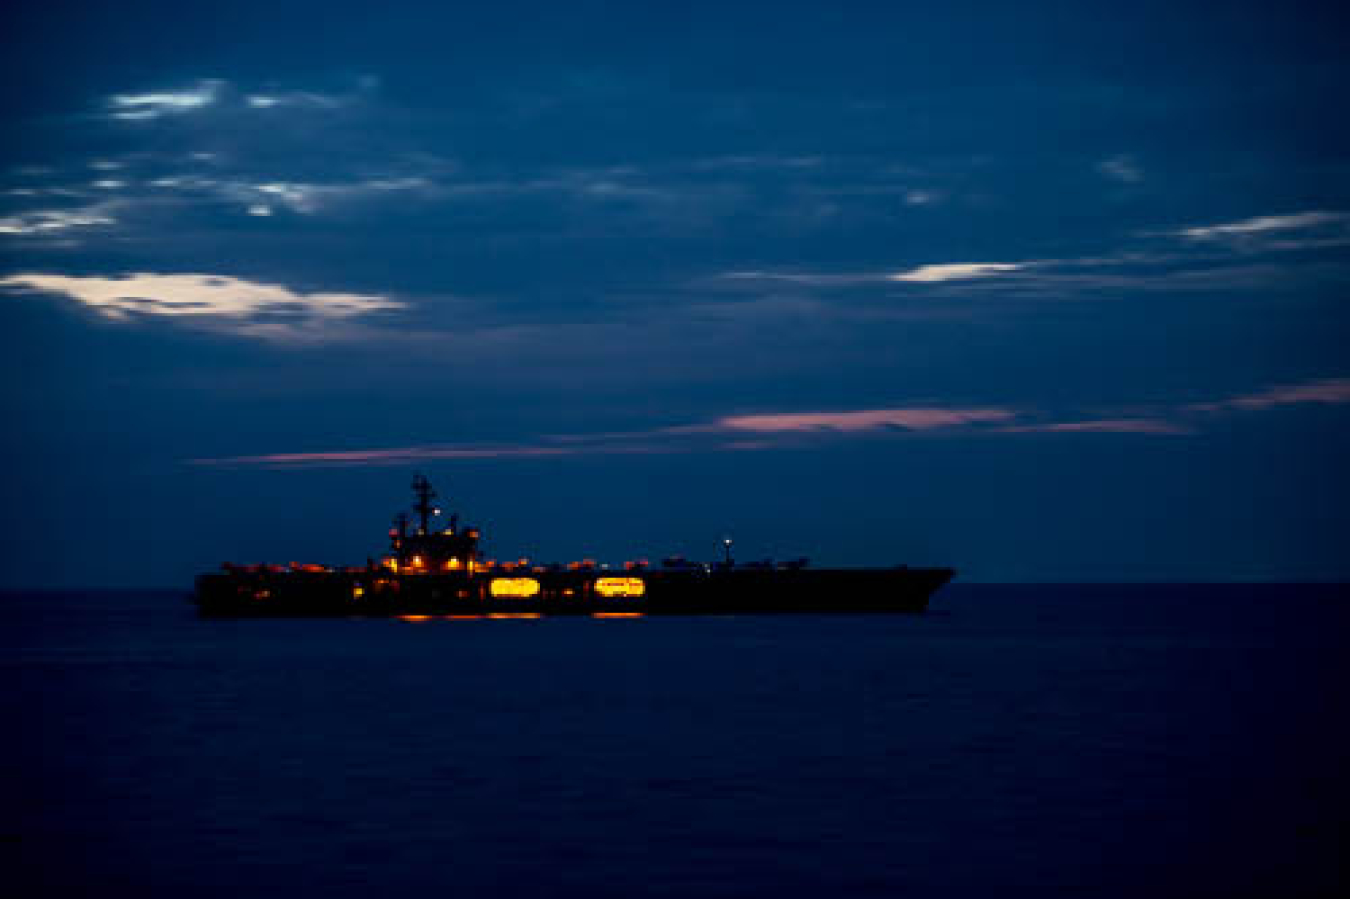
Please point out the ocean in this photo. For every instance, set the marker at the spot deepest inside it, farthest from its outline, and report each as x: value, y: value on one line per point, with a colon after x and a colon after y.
x: 1014, y: 741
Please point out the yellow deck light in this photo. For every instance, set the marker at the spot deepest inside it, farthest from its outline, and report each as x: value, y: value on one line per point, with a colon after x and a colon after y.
x: 514, y: 587
x: 614, y: 587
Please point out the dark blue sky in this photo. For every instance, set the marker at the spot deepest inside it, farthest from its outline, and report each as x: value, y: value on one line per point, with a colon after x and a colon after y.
x: 1039, y: 291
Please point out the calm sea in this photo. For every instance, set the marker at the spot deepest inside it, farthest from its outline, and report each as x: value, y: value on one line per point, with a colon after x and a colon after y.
x: 1015, y: 741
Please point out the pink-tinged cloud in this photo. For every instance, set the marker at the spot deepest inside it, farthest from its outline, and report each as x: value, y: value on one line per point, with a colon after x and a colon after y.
x: 732, y: 433
x: 1105, y: 426
x: 391, y: 456
x: 917, y: 419
x: 1331, y: 391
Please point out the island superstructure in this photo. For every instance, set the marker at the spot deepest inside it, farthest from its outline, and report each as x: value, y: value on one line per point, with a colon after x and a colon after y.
x: 435, y: 567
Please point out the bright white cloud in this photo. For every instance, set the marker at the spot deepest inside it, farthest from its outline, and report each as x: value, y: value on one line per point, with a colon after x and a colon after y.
x: 1263, y: 224
x: 244, y: 307
x: 148, y: 106
x: 44, y: 221
x: 955, y: 271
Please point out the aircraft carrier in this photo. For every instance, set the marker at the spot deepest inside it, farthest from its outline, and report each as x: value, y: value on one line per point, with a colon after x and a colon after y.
x: 434, y: 568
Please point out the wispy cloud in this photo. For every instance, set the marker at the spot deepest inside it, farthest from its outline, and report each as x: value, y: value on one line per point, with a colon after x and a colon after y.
x: 1123, y: 168
x: 955, y: 271
x: 922, y: 197
x: 1106, y: 426
x: 757, y: 162
x: 46, y: 221
x: 911, y: 419
x: 218, y: 94
x: 308, y: 198
x: 924, y: 274
x: 734, y: 433
x: 389, y: 456
x: 1330, y: 391
x: 777, y: 430
x: 302, y: 197
x: 249, y: 308
x: 156, y: 104
x: 1263, y: 224
x: 293, y: 99
x: 1197, y: 268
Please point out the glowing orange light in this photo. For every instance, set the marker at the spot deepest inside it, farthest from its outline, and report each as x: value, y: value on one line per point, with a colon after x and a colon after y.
x: 358, y: 592
x: 462, y: 617
x: 514, y: 615
x: 514, y: 587
x: 414, y: 617
x: 452, y: 564
x: 617, y: 614
x: 620, y: 586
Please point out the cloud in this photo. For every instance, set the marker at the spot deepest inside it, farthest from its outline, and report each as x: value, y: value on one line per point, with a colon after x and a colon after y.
x: 725, y: 434
x: 913, y: 419
x: 921, y: 197
x: 1330, y: 391
x: 308, y: 99
x: 154, y: 105
x: 777, y: 430
x: 45, y: 221
x: 218, y: 94
x: 1106, y: 426
x: 1263, y: 224
x: 1121, y: 168
x: 757, y: 162
x: 294, y: 99
x: 307, y: 198
x: 390, y: 456
x: 955, y: 271
x: 1194, y: 268
x: 249, y: 308
x: 924, y: 274
x: 262, y: 198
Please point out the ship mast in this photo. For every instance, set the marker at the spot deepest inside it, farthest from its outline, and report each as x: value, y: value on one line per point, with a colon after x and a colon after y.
x: 423, y: 508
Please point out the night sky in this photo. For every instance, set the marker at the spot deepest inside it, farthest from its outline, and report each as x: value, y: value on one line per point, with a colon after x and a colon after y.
x: 1043, y: 292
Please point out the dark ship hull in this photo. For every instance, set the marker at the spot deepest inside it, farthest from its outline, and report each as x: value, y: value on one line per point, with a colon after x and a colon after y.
x: 724, y: 591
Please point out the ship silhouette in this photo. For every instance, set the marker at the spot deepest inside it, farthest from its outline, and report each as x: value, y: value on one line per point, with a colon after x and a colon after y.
x: 433, y: 570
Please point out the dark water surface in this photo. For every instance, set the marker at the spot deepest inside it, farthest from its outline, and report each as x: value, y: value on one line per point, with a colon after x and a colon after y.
x: 1015, y: 741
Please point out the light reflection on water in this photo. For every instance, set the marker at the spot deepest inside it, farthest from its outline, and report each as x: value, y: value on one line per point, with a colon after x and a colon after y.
x: 1032, y: 741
